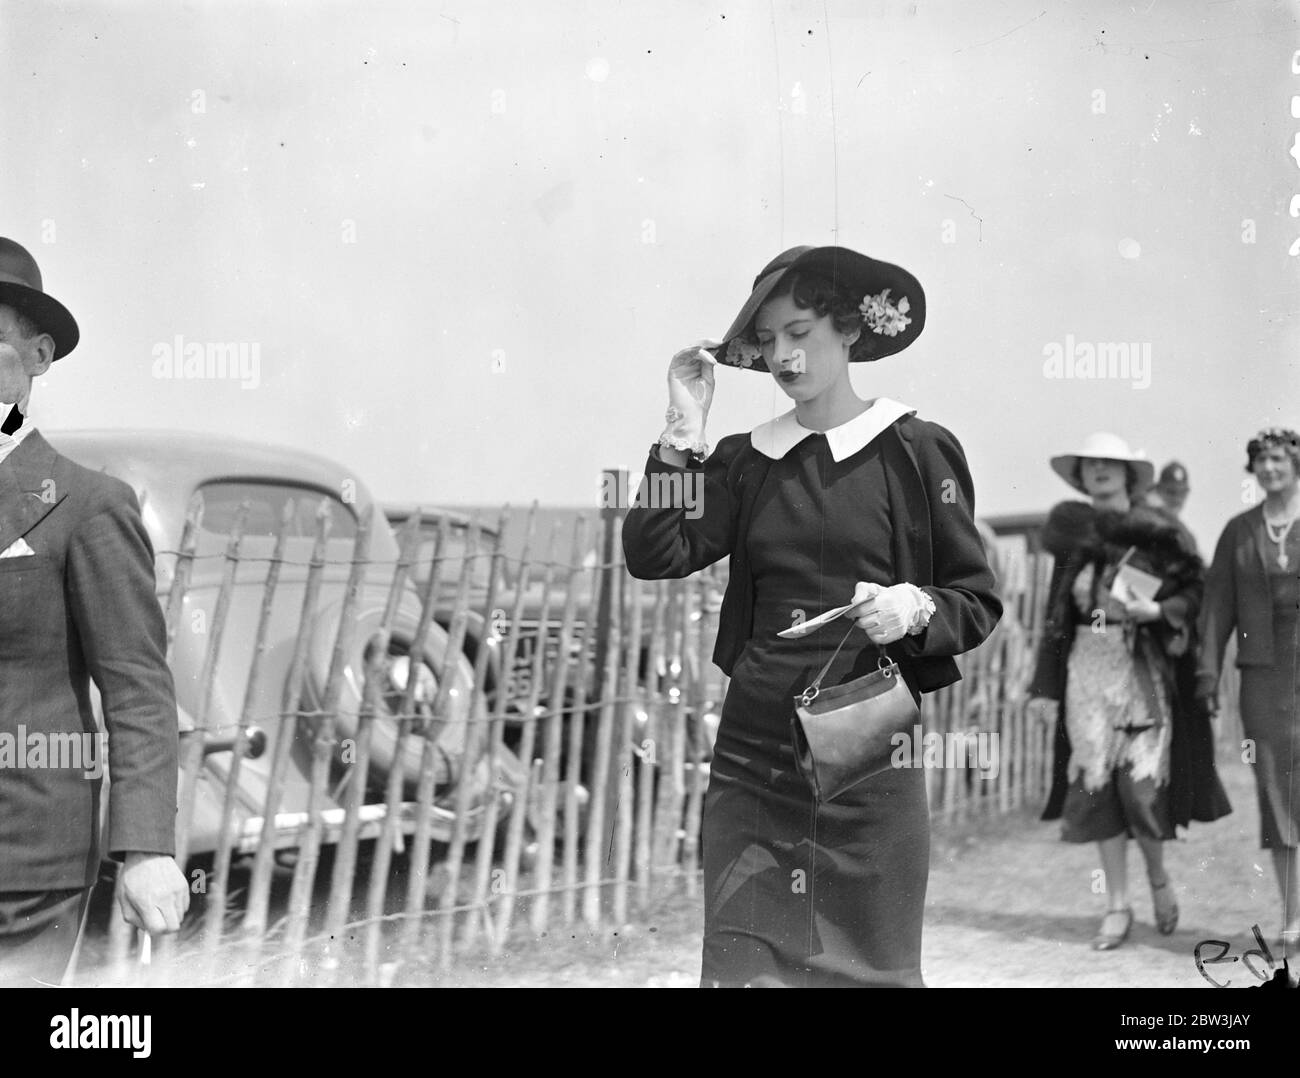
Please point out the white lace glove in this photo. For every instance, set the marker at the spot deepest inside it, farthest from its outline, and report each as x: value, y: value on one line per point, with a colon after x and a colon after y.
x: 690, y: 392
x: 891, y: 613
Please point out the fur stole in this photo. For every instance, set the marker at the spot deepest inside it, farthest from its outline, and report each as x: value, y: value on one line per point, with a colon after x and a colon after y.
x: 1077, y: 533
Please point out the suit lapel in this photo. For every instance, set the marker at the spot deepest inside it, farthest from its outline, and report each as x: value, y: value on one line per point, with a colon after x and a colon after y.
x: 27, y: 487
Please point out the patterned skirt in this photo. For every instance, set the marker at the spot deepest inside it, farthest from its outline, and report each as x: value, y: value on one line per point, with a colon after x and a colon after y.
x: 1119, y: 743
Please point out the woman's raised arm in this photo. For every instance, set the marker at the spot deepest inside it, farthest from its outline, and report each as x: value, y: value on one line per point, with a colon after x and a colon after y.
x: 683, y: 518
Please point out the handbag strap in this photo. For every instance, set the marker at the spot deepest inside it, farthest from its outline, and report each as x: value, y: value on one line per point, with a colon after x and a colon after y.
x: 810, y: 694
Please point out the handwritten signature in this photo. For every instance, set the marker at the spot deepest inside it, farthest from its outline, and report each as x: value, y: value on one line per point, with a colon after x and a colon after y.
x: 1246, y: 958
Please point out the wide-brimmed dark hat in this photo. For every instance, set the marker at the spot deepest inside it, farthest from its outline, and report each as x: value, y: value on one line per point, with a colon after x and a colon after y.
x: 21, y: 289
x: 891, y: 300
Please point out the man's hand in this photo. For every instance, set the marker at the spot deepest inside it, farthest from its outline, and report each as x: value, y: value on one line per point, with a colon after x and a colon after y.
x: 154, y: 895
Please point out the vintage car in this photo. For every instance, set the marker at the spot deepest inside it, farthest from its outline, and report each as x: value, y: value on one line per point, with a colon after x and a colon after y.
x: 490, y: 627
x: 167, y: 470
x: 486, y: 627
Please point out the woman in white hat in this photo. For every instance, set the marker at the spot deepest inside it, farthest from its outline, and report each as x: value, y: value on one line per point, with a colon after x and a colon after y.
x: 1126, y: 587
x: 838, y: 500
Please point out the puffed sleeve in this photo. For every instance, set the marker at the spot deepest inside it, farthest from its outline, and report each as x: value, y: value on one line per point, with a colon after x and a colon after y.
x: 682, y: 518
x: 1218, y: 616
x: 966, y: 607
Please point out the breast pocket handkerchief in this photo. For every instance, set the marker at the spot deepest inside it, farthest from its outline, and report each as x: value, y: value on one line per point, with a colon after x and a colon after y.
x: 17, y: 549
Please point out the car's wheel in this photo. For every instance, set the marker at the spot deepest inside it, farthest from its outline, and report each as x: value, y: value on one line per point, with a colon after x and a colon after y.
x: 452, y: 725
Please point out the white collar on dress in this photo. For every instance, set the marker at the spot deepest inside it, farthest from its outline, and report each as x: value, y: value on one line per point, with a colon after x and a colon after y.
x: 778, y: 436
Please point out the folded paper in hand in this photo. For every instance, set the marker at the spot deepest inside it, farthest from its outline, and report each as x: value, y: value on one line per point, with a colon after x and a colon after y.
x: 1131, y: 582
x: 17, y: 549
x: 805, y: 627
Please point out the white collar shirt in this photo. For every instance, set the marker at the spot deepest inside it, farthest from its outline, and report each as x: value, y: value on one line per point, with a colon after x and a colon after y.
x: 10, y: 442
x: 778, y: 436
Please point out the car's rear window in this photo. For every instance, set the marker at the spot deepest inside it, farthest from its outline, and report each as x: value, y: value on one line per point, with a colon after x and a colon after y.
x: 266, y: 506
x: 453, y: 552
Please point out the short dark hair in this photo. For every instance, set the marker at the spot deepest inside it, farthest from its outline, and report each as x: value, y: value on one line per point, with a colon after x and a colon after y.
x: 26, y: 324
x: 1273, y: 438
x: 814, y: 292
x: 1130, y: 476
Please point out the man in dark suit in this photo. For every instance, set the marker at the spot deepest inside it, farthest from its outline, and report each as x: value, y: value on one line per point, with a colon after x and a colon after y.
x: 77, y: 604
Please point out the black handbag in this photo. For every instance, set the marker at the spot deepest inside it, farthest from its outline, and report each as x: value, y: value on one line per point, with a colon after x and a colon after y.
x: 846, y: 734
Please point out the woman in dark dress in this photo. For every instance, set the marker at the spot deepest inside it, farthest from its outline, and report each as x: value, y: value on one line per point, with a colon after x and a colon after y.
x: 1107, y: 671
x: 839, y: 500
x: 1253, y: 587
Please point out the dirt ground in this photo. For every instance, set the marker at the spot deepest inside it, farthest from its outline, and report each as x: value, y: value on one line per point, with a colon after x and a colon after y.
x: 1009, y: 905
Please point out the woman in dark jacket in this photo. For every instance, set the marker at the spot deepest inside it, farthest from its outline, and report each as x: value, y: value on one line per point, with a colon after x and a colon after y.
x: 1253, y: 587
x: 839, y: 499
x: 1125, y: 590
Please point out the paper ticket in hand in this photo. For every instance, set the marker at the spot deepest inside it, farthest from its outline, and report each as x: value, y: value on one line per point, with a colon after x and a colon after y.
x: 806, y: 627
x: 1132, y: 583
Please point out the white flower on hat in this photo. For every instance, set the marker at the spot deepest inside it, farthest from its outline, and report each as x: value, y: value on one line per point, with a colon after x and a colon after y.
x: 740, y: 353
x: 881, y: 316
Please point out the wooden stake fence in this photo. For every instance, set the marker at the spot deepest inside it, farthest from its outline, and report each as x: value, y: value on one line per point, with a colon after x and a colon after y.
x: 548, y: 788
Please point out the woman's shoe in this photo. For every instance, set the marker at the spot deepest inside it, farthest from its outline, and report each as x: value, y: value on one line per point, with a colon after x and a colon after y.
x: 1114, y: 929
x: 1166, y: 907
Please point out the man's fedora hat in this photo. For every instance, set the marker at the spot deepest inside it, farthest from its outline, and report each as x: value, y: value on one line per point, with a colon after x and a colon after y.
x: 20, y: 288
x: 1104, y: 446
x: 889, y: 298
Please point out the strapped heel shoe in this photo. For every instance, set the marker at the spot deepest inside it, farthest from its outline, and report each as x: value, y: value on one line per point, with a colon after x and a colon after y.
x: 1166, y: 907
x: 1114, y: 929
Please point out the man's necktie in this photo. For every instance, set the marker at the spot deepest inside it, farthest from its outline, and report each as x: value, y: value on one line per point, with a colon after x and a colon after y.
x: 12, y: 422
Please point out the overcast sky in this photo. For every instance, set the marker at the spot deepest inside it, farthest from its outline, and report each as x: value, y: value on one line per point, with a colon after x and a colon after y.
x: 465, y: 239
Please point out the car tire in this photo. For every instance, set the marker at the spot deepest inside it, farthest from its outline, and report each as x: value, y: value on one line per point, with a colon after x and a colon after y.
x: 451, y: 739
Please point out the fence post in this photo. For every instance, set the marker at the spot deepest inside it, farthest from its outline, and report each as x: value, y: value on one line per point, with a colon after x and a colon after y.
x: 612, y: 482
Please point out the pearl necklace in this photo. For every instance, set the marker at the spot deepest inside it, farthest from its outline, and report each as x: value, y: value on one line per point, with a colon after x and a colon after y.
x: 1277, y: 533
